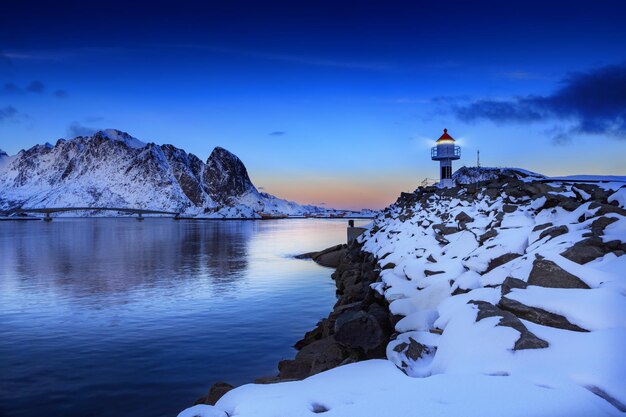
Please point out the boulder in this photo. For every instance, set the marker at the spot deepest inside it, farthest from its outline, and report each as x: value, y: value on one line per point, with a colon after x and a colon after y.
x: 360, y: 330
x: 509, y: 208
x: 541, y: 226
x: 487, y: 235
x: 537, y: 315
x: 545, y: 273
x: 501, y: 260
x: 413, y: 350
x: 316, y: 357
x: 216, y: 392
x: 586, y: 250
x: 509, y: 283
x: 331, y: 257
x: 554, y: 231
x: 463, y: 217
x: 444, y: 230
x: 526, y: 340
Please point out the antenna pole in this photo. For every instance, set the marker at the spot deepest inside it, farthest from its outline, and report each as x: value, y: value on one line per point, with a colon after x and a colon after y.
x: 478, y: 158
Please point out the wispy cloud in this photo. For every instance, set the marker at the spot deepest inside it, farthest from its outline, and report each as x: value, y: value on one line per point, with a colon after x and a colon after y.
x: 522, y: 75
x: 278, y: 133
x: 594, y: 101
x: 7, y: 113
x: 34, y: 87
x: 76, y: 129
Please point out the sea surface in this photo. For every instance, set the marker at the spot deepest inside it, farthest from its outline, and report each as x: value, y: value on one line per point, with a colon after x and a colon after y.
x: 115, y: 317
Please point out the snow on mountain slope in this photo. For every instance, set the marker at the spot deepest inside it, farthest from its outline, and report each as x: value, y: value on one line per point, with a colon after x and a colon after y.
x: 510, y: 300
x: 114, y: 169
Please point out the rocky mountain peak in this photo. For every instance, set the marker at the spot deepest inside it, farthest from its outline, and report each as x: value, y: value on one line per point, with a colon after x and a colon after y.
x: 119, y: 136
x: 3, y: 154
x: 227, y: 176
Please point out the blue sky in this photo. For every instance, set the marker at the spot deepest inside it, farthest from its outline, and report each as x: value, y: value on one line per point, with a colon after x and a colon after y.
x: 333, y: 102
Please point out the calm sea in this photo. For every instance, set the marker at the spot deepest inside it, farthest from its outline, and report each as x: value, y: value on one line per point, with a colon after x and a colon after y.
x: 115, y: 317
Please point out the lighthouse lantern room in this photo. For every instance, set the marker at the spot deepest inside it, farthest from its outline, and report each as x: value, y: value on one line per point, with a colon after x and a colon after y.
x: 445, y: 152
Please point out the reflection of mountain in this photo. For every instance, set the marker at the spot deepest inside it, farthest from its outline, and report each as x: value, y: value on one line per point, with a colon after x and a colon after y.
x: 76, y: 259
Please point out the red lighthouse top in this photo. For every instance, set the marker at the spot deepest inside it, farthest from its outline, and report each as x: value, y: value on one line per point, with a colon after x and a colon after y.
x: 445, y: 137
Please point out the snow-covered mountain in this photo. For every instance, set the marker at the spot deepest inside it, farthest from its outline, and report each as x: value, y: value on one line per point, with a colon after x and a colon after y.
x: 113, y: 169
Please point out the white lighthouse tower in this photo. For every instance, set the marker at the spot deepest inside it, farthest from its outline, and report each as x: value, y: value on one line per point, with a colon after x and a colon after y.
x: 445, y: 152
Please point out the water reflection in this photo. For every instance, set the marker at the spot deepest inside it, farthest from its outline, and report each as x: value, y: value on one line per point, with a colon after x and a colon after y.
x: 106, y: 256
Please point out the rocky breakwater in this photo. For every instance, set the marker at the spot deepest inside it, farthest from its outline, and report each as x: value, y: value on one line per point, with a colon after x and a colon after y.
x: 514, y: 286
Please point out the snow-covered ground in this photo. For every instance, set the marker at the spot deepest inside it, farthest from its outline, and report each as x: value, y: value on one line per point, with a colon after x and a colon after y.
x: 513, y: 303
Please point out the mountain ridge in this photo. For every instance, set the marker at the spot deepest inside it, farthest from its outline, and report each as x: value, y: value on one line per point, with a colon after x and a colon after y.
x: 113, y: 168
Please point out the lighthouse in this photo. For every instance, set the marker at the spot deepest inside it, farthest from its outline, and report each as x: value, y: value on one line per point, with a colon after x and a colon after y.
x: 445, y: 152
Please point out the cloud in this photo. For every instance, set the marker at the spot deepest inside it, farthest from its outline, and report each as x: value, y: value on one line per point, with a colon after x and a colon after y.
x: 278, y: 133
x: 76, y: 129
x: 11, y: 88
x: 35, y: 87
x: 594, y: 101
x: 7, y: 112
x: 521, y: 75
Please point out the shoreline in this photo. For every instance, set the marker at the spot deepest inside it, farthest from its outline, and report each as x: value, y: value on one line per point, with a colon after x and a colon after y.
x: 359, y: 326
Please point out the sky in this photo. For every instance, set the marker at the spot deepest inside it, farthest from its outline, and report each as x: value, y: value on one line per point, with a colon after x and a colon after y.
x: 326, y: 102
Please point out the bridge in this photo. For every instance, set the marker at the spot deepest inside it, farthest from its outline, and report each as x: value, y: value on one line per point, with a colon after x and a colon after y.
x: 47, y: 211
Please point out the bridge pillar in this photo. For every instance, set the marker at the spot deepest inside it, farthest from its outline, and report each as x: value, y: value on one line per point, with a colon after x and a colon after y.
x: 48, y: 217
x: 140, y: 217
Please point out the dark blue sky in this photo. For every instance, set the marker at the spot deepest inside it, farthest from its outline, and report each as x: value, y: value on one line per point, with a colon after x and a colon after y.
x: 326, y: 101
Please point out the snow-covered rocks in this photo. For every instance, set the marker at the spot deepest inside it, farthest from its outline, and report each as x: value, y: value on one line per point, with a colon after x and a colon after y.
x: 510, y: 297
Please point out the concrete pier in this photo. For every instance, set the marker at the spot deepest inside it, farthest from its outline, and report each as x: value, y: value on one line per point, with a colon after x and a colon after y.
x: 354, y: 232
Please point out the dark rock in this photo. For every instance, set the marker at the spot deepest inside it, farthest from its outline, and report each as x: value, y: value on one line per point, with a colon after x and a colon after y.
x: 226, y: 176
x: 487, y: 235
x: 429, y: 273
x: 314, y: 358
x: 216, y: 392
x: 526, y: 340
x: 537, y: 315
x: 413, y: 350
x: 541, y: 226
x: 460, y: 290
x: 604, y: 209
x: 444, y: 230
x: 546, y: 273
x: 360, y: 330
x: 322, y: 330
x: 501, y: 260
x: 331, y: 257
x: 599, y: 224
x: 463, y: 217
x: 591, y: 248
x: 510, y: 283
x: 554, y: 231
x: 509, y: 208
x: 431, y: 258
